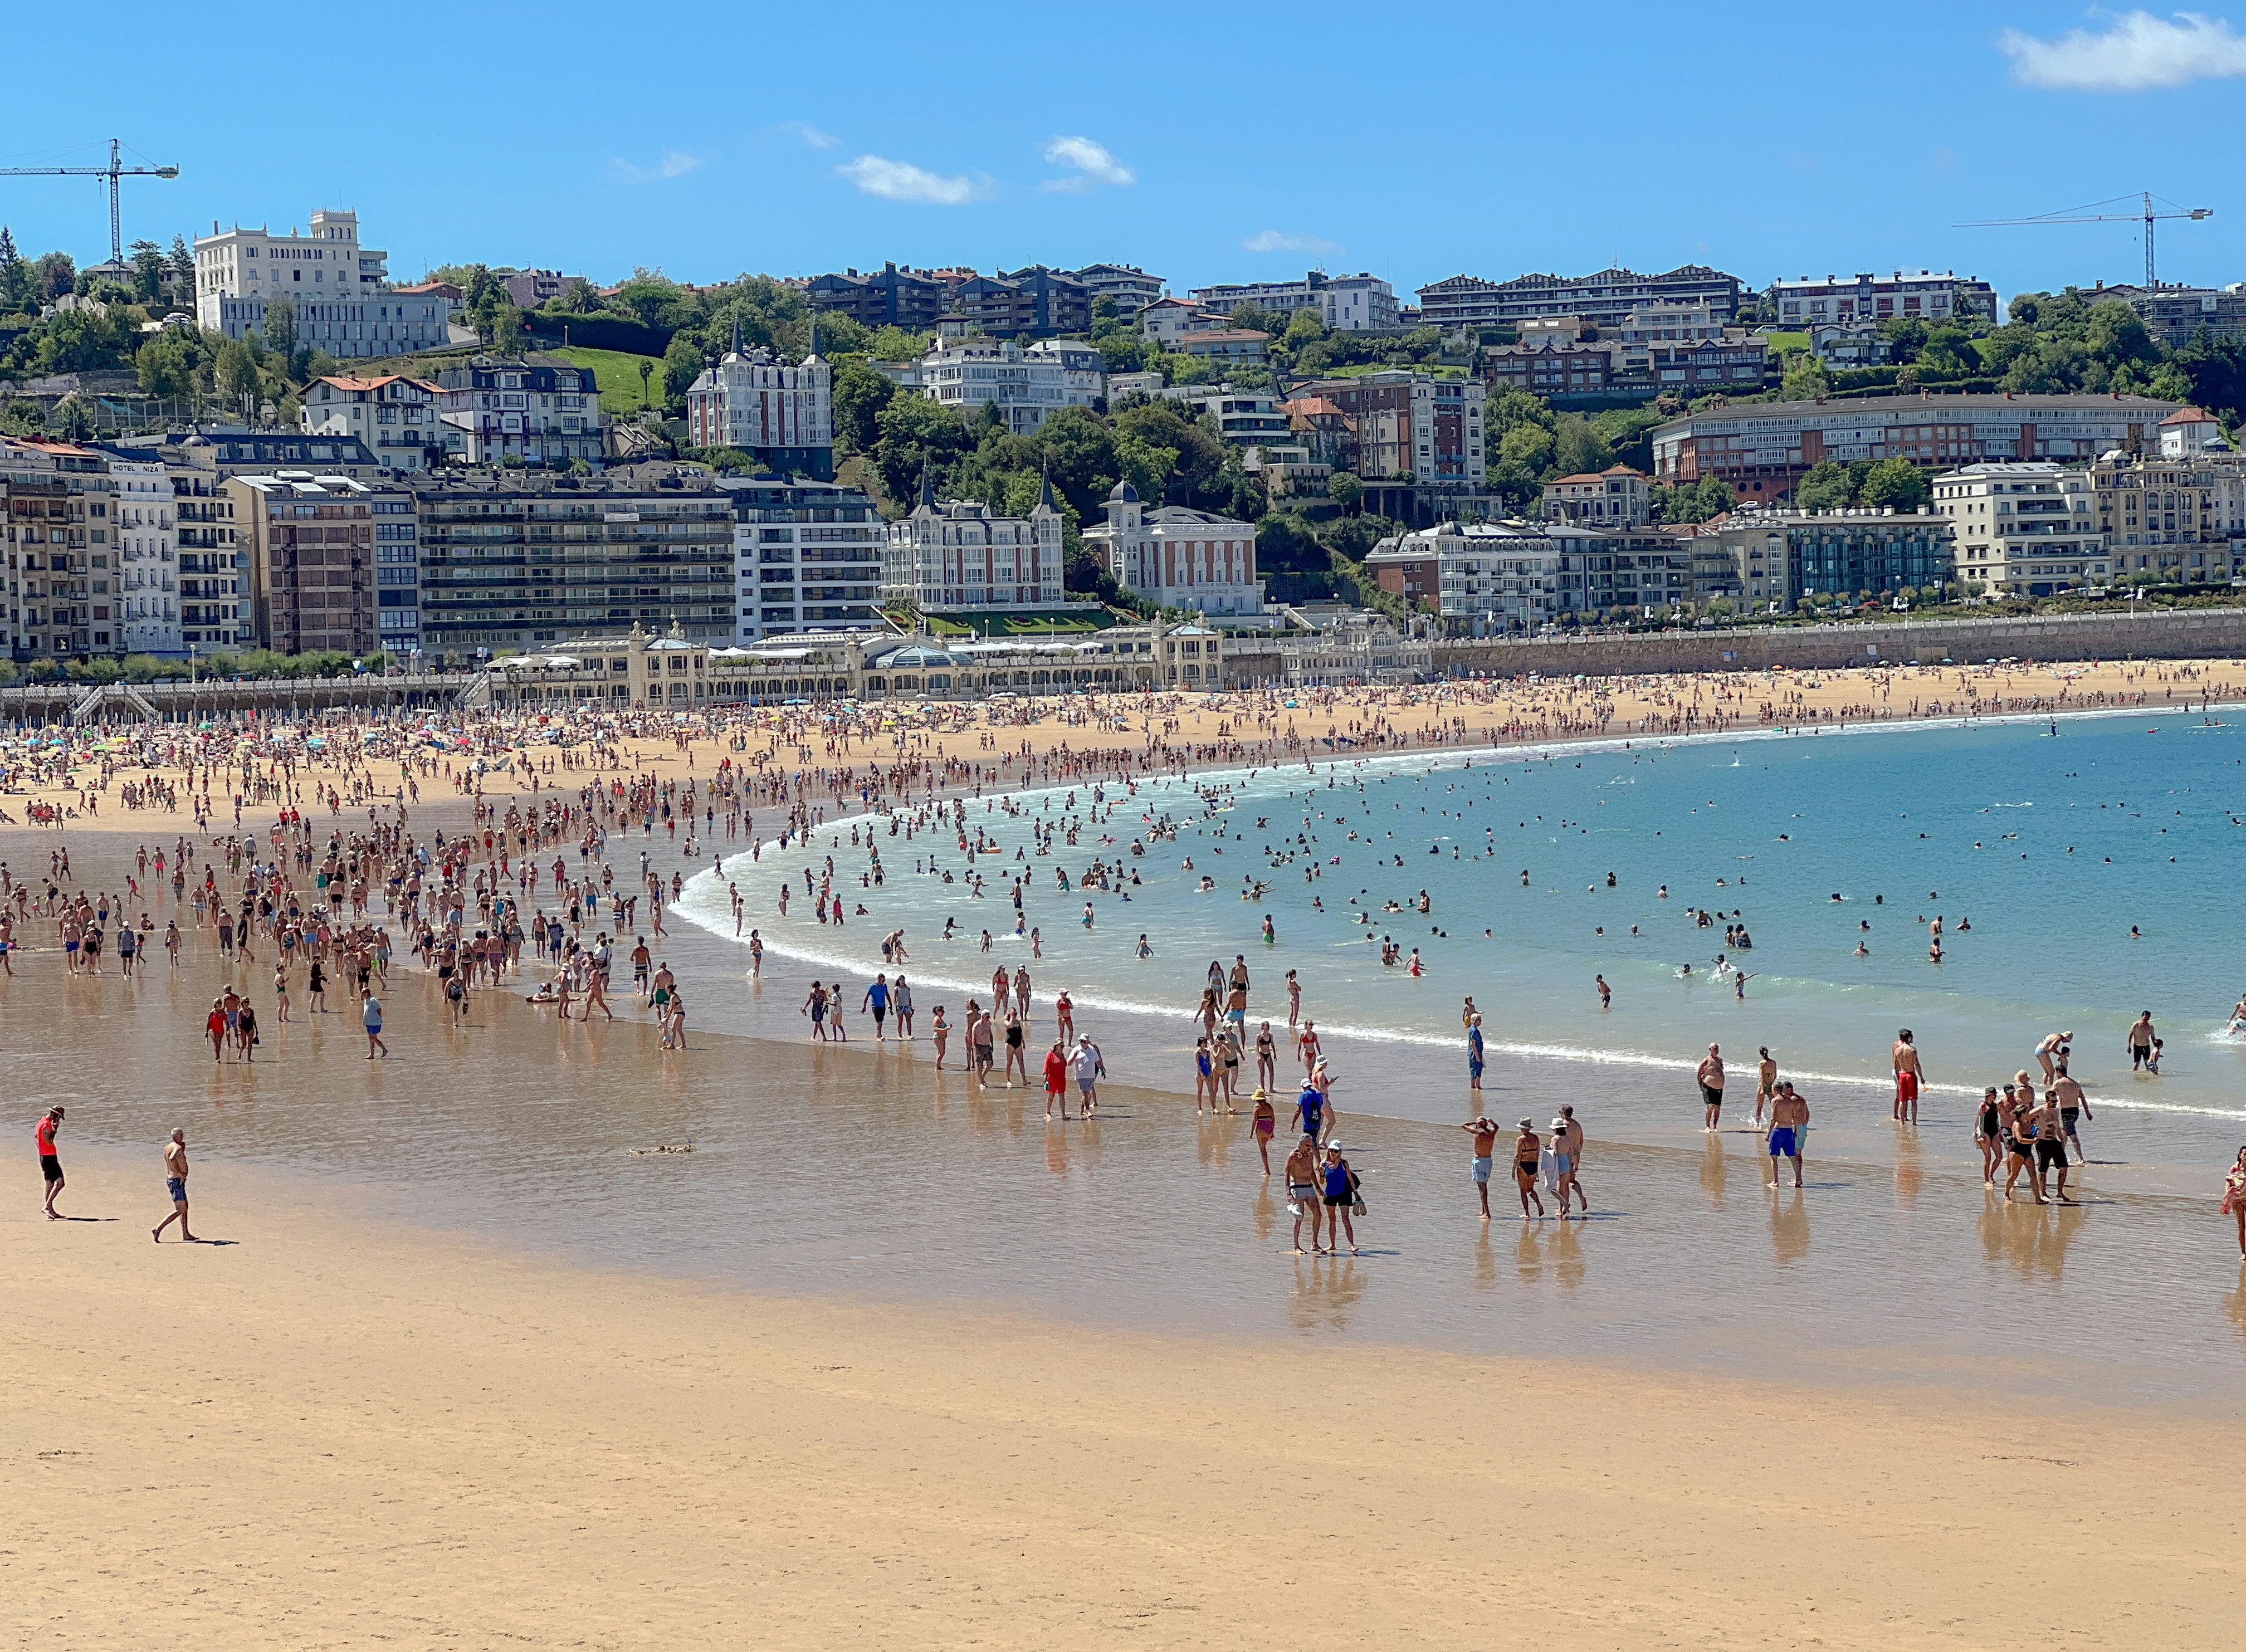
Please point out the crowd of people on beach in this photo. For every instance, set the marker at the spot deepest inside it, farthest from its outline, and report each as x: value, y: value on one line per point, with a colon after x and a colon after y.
x: 544, y: 800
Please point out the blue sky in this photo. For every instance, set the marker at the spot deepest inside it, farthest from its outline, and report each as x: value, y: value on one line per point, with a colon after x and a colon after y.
x: 1204, y: 143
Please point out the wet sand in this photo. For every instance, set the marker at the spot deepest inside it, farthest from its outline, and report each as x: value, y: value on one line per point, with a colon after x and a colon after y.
x: 328, y: 1433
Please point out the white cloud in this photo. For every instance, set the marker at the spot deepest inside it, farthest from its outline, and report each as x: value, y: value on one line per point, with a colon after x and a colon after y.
x: 900, y: 180
x: 809, y: 135
x: 2137, y: 52
x: 1093, y: 164
x: 1274, y: 241
x: 676, y: 163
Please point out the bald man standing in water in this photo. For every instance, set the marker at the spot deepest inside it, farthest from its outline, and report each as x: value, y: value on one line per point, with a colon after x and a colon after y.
x: 1908, y: 1077
x: 1711, y: 1077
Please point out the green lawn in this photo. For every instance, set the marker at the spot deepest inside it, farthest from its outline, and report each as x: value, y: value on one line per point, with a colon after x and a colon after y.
x: 1783, y: 344
x: 618, y: 374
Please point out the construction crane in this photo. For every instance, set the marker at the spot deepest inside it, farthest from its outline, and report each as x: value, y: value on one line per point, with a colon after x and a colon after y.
x: 112, y: 172
x: 2086, y: 215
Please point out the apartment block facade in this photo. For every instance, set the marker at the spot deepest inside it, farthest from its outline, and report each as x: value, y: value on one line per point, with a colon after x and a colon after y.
x: 1763, y: 449
x: 1615, y: 497
x: 1773, y: 559
x: 339, y: 289
x: 1178, y: 558
x: 147, y: 553
x: 1682, y: 348
x: 1360, y: 303
x: 396, y: 418
x: 1500, y: 577
x: 806, y: 556
x: 1930, y: 295
x: 955, y: 555
x: 516, y: 560
x: 64, y: 570
x: 1603, y: 300
x: 970, y: 374
x: 911, y: 299
x: 779, y: 412
x: 533, y: 411
x: 2177, y: 520
x: 1130, y: 288
x: 1405, y: 425
x: 2024, y: 528
x: 310, y: 544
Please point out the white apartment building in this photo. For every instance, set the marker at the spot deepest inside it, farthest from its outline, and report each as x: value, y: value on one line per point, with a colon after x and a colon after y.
x: 1132, y: 288
x: 1929, y: 295
x: 1168, y: 320
x: 1083, y: 368
x: 970, y: 374
x: 396, y: 417
x: 1357, y: 303
x: 147, y: 557
x: 1179, y: 558
x: 954, y: 555
x: 780, y: 413
x: 2027, y: 528
x: 808, y: 556
x: 340, y: 290
x: 2177, y: 520
x: 1615, y: 497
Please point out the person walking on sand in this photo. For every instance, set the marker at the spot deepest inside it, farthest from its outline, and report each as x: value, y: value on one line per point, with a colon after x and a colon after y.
x: 175, y: 1183
x: 1570, y: 1135
x: 50, y: 1167
x: 1766, y: 1077
x: 1527, y: 1151
x: 1091, y: 1068
x: 1264, y: 1122
x: 1908, y: 1077
x: 1789, y: 1119
x: 1711, y: 1077
x: 1474, y: 1051
x: 1302, y: 1191
x: 1483, y: 1129
x: 1340, y: 1182
x: 369, y: 1016
x: 1056, y: 1069
x: 2234, y: 1198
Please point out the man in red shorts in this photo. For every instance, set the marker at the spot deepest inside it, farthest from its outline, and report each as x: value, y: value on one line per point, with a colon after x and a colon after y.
x: 1909, y: 1076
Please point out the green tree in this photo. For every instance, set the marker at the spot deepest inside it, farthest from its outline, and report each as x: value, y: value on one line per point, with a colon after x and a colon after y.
x: 860, y: 394
x: 1344, y: 490
x: 234, y: 373
x: 896, y: 344
x: 1578, y: 447
x: 147, y: 271
x: 53, y: 275
x: 15, y: 274
x: 917, y: 436
x: 167, y: 364
x: 1824, y: 488
x: 279, y: 329
x: 182, y: 268
x: 1198, y: 452
x: 682, y: 366
x: 1804, y: 378
x: 1896, y: 484
x: 1078, y: 449
x: 508, y: 335
x: 1147, y: 465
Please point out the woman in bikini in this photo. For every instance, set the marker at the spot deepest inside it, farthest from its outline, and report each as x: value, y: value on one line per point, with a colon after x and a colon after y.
x: 1987, y: 1136
x: 1526, y: 1151
x: 2234, y: 1198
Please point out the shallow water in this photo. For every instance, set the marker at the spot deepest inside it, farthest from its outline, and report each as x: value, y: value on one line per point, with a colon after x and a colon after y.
x: 862, y: 1172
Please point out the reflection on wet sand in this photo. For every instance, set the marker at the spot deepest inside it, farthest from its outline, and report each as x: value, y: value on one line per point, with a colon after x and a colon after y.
x: 1713, y: 1170
x: 1789, y: 1225
x: 1327, y: 1290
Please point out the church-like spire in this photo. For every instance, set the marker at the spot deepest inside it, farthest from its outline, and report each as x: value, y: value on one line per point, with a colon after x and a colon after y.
x: 928, y: 485
x: 814, y: 356
x: 736, y: 332
x: 1044, y: 487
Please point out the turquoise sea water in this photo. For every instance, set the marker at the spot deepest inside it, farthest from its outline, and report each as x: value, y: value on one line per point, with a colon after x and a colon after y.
x: 2039, y: 849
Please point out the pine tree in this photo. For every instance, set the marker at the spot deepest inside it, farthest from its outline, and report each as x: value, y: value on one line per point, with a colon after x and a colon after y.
x: 13, y: 275
x: 183, y: 268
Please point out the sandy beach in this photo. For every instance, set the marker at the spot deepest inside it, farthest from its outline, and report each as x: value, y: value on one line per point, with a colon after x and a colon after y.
x: 1178, y: 730
x: 328, y: 1433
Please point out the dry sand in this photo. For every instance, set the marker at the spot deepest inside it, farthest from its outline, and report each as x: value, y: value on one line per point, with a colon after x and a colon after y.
x: 328, y: 1434
x: 1205, y: 737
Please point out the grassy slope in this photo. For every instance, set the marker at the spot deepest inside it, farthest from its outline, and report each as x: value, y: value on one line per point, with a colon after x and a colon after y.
x: 617, y: 373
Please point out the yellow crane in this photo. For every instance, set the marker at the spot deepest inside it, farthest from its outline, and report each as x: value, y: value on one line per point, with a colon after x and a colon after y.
x: 2145, y: 214
x: 115, y: 170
